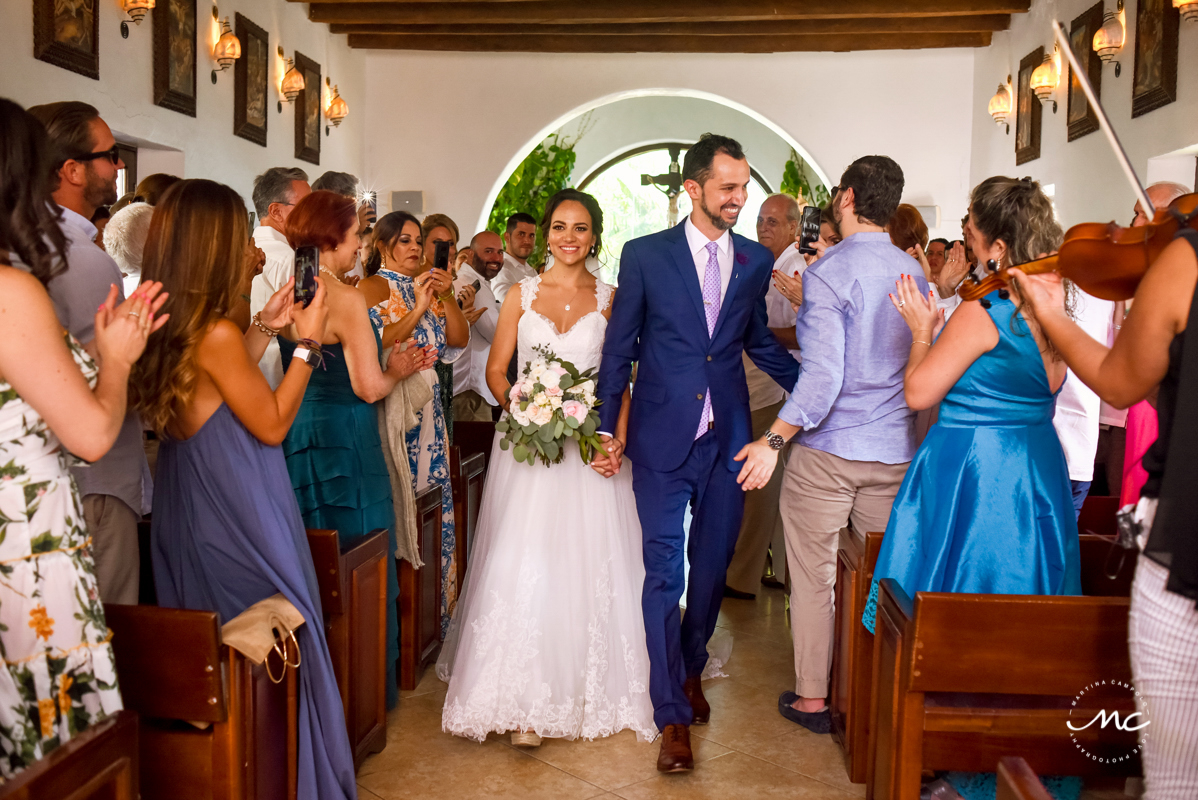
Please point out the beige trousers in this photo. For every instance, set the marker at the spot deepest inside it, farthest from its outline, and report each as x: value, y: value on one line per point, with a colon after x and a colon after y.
x: 469, y: 406
x: 762, y: 520
x: 820, y: 494
x: 113, y: 528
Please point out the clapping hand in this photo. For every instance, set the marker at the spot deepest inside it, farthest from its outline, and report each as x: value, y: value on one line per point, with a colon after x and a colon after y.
x: 790, y: 287
x: 916, y: 252
x: 955, y: 268
x: 122, y: 331
x: 919, y: 311
x: 405, y: 361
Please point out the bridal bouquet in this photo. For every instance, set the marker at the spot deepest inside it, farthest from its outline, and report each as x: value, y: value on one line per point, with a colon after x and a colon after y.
x: 551, y: 404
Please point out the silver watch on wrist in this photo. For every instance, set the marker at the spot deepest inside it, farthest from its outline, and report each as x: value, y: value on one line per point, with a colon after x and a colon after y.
x: 774, y: 440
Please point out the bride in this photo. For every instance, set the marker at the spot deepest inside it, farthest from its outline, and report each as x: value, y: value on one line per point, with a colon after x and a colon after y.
x: 548, y: 638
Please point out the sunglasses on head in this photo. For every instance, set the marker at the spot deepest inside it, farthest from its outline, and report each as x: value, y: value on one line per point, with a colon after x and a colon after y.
x: 112, y: 155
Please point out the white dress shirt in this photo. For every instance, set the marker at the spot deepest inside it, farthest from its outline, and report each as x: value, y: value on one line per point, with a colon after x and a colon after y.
x: 279, y: 267
x: 697, y: 242
x: 470, y: 372
x: 1078, y: 408
x: 512, y: 273
x: 764, y: 390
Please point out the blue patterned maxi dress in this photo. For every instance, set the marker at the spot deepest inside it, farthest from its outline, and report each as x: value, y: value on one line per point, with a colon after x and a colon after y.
x: 427, y: 442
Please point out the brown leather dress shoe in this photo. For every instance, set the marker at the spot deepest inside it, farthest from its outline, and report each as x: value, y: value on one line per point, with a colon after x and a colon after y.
x: 693, y: 689
x: 675, y: 755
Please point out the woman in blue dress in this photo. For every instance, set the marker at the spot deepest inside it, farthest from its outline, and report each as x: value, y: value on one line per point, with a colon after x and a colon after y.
x: 986, y: 505
x: 408, y: 299
x: 226, y: 529
x: 334, y: 453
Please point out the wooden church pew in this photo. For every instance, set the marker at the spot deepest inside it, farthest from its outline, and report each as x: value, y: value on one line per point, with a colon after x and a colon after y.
x: 467, y: 473
x: 99, y: 764
x: 961, y: 680
x: 1016, y: 781
x: 420, y: 594
x: 353, y: 597
x: 211, y: 721
x: 852, y: 658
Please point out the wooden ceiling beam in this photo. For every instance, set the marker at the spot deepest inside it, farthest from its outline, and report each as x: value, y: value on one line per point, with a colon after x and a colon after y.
x: 592, y: 43
x: 549, y: 12
x: 975, y: 23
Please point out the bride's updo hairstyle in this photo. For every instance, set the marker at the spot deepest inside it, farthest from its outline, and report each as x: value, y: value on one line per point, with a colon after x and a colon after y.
x: 1017, y: 212
x: 589, y: 203
x: 196, y: 247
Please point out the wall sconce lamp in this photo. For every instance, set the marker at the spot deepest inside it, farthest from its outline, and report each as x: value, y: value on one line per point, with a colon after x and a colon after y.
x: 1000, y: 105
x: 136, y: 9
x: 1188, y: 9
x: 337, y: 109
x: 1046, y: 77
x: 293, y: 81
x: 1108, y: 41
x: 227, y: 48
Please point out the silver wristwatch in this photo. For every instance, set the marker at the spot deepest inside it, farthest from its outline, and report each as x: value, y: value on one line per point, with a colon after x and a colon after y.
x: 774, y: 440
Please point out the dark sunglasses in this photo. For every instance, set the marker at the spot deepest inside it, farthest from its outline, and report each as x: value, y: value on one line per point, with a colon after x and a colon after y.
x: 112, y: 155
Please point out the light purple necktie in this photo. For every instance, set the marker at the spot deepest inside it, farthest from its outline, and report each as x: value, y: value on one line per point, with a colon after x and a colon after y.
x: 711, y: 305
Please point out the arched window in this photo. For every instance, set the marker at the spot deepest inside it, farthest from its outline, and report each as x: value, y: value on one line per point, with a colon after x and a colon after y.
x: 631, y: 209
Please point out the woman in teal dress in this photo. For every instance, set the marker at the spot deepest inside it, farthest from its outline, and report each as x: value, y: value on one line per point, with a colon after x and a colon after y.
x: 409, y: 300
x: 334, y: 454
x: 986, y: 506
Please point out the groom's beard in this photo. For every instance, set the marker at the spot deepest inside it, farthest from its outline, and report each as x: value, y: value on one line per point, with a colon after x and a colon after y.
x: 716, y: 218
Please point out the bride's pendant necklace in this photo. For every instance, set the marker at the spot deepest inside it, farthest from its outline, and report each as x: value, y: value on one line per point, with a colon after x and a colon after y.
x: 573, y: 297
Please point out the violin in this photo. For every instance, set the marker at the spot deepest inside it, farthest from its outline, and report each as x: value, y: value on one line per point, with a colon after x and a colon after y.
x: 1104, y: 259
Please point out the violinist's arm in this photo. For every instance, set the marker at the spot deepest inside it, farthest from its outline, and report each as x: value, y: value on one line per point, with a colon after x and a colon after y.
x: 1125, y: 373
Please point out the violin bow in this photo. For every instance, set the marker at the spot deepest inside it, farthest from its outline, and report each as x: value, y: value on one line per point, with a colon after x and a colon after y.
x: 1084, y: 79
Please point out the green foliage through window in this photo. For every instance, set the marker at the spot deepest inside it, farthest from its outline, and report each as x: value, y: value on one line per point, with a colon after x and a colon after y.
x: 797, y: 184
x: 543, y: 173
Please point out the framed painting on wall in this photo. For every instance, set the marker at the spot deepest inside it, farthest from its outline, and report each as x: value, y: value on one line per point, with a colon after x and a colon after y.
x: 307, y: 111
x: 1027, y: 110
x: 66, y: 33
x: 250, y: 78
x: 175, y: 55
x: 1081, y: 118
x: 1155, y: 81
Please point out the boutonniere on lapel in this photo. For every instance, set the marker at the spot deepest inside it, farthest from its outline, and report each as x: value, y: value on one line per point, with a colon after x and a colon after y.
x: 742, y: 258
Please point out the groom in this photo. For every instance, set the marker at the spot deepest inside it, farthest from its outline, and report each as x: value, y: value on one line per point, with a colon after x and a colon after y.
x: 691, y: 300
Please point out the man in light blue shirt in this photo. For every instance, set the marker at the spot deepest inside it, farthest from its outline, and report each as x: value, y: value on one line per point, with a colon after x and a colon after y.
x: 855, y: 432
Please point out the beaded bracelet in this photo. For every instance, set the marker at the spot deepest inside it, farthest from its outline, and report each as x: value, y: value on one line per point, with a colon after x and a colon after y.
x: 262, y: 326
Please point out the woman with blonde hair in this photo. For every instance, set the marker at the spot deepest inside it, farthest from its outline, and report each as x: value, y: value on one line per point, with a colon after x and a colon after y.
x: 226, y: 529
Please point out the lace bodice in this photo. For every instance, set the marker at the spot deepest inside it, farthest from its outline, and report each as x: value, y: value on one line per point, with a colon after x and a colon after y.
x: 582, y: 345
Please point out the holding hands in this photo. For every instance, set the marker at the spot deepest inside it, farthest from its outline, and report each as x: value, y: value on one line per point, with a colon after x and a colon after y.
x: 955, y: 268
x: 608, y: 463
x: 122, y: 331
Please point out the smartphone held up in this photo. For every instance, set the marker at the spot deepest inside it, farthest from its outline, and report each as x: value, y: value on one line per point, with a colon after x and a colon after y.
x: 307, y: 264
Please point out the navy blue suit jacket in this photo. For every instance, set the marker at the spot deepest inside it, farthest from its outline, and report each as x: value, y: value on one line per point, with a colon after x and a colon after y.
x: 658, y: 320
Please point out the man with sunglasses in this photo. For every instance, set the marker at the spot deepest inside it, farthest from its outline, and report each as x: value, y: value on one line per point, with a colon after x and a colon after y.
x: 85, y: 172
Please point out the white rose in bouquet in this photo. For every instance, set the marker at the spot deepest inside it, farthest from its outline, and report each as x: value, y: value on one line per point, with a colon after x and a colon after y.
x: 541, y: 415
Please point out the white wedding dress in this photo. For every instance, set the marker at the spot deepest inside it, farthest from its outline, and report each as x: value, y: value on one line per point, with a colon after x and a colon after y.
x: 548, y: 635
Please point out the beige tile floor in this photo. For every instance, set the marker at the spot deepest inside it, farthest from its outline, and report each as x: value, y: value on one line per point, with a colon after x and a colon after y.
x: 748, y: 750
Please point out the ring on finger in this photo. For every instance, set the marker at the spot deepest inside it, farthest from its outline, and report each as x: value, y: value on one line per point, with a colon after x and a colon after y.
x: 902, y: 303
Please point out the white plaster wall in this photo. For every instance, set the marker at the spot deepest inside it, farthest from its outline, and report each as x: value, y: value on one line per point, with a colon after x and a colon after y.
x: 124, y: 93
x: 620, y: 126
x: 450, y: 124
x: 1089, y: 183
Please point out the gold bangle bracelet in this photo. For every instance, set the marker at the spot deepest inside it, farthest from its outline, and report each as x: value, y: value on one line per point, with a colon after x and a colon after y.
x: 916, y: 341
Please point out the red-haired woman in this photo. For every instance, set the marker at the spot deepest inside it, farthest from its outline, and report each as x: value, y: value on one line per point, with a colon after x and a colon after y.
x: 334, y: 454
